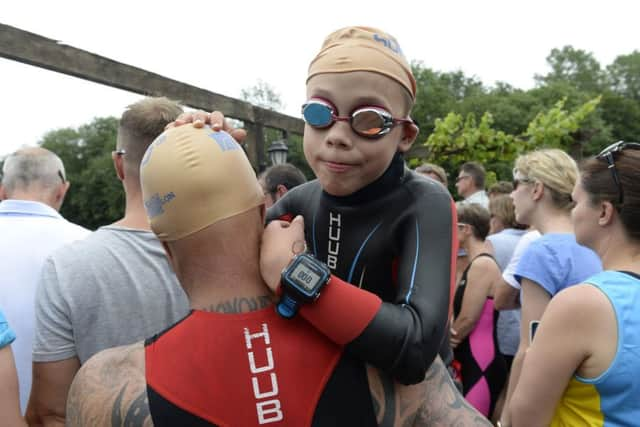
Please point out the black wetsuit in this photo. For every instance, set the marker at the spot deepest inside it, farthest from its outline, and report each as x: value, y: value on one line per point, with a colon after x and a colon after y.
x: 394, y: 238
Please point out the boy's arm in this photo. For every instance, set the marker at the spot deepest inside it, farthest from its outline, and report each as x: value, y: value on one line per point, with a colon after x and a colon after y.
x: 403, y: 337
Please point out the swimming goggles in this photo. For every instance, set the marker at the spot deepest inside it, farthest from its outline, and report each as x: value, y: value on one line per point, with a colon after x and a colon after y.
x: 366, y: 121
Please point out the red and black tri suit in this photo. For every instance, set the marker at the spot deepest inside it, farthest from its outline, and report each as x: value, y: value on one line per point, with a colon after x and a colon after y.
x: 252, y: 369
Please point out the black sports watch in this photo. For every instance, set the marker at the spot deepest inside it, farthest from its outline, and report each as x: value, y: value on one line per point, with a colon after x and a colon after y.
x: 301, y: 281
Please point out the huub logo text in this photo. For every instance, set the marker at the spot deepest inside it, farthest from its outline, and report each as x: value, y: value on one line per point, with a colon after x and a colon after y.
x: 268, y: 406
x: 388, y: 42
x: 334, y: 240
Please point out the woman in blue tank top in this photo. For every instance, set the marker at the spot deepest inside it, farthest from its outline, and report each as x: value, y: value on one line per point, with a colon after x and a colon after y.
x: 584, y: 365
x: 543, y: 181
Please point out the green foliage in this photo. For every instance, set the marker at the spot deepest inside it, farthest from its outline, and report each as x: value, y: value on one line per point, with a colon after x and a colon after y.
x: 95, y: 197
x: 578, y: 106
x: 575, y: 65
x: 624, y: 75
x: 457, y: 139
x: 555, y: 128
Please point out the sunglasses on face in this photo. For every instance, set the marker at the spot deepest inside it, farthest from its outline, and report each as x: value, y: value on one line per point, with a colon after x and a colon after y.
x: 366, y: 121
x: 608, y: 155
x: 518, y: 181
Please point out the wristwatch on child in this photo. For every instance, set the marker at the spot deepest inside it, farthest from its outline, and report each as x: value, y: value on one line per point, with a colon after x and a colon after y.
x: 301, y: 281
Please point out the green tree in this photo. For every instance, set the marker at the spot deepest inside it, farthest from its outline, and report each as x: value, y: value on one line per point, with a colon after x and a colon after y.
x: 440, y: 93
x: 624, y: 75
x: 263, y: 95
x: 457, y: 139
x: 557, y: 127
x: 95, y: 197
x: 576, y: 66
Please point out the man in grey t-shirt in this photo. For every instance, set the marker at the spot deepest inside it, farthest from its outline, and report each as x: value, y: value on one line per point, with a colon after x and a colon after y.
x: 114, y: 288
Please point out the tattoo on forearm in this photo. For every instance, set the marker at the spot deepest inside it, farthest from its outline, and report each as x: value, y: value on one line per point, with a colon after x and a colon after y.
x: 240, y: 305
x: 444, y: 405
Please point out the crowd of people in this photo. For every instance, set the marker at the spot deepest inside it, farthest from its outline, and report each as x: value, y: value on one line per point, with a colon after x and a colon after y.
x: 365, y: 296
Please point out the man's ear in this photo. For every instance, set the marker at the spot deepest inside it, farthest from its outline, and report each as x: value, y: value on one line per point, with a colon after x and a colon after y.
x: 409, y: 133
x: 606, y: 213
x: 3, y: 193
x: 118, y: 165
x: 59, y: 194
x: 281, y: 190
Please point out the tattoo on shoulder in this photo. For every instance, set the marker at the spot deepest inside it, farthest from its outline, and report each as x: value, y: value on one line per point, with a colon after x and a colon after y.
x: 241, y: 305
x: 136, y: 414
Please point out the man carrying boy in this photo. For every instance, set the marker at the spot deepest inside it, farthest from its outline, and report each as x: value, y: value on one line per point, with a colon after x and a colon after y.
x: 372, y: 221
x: 234, y: 360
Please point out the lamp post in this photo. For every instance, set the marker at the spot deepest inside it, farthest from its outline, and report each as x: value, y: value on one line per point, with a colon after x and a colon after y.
x: 278, y: 152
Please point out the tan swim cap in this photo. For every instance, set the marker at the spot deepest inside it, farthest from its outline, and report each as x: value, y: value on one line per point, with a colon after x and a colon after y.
x: 192, y: 178
x: 363, y: 49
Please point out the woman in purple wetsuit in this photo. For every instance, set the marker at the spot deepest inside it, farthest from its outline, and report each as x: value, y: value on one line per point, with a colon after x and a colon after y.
x: 473, y: 338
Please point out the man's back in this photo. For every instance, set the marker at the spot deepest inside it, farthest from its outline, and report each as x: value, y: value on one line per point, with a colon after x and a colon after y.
x: 113, y: 288
x: 192, y: 375
x: 30, y: 232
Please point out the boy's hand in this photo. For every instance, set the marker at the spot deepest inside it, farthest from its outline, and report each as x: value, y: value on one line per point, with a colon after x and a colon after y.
x: 454, y: 340
x: 215, y: 120
x: 281, y: 241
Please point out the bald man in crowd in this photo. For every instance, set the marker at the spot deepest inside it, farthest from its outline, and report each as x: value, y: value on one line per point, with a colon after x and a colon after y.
x: 33, y: 189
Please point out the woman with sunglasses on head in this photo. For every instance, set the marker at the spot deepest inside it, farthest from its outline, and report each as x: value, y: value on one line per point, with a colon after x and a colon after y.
x: 543, y: 182
x: 473, y: 332
x: 584, y: 366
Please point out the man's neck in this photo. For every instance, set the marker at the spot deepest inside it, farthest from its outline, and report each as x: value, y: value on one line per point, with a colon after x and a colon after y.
x: 472, y: 192
x: 235, y: 289
x: 134, y: 214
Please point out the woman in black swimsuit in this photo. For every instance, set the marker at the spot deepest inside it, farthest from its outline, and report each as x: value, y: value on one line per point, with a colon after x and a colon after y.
x: 473, y: 338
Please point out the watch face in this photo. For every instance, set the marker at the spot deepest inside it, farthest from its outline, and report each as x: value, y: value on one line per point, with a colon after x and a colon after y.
x: 305, y: 277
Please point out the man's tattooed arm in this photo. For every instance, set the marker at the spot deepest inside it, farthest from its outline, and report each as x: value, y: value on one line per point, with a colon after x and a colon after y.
x: 442, y: 403
x: 110, y: 390
x: 394, y: 404
x: 435, y: 402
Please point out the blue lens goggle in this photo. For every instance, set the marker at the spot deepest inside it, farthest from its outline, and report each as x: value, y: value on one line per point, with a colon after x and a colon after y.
x: 366, y: 121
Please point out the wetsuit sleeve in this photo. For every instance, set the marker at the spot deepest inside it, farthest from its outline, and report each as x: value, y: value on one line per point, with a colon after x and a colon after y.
x: 280, y: 210
x: 402, y: 337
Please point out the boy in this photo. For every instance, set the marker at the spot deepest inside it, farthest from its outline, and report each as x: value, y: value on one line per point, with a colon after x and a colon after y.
x: 377, y: 225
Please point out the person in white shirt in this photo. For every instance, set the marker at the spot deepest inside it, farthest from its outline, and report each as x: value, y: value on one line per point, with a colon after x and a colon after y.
x: 33, y: 188
x: 470, y: 184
